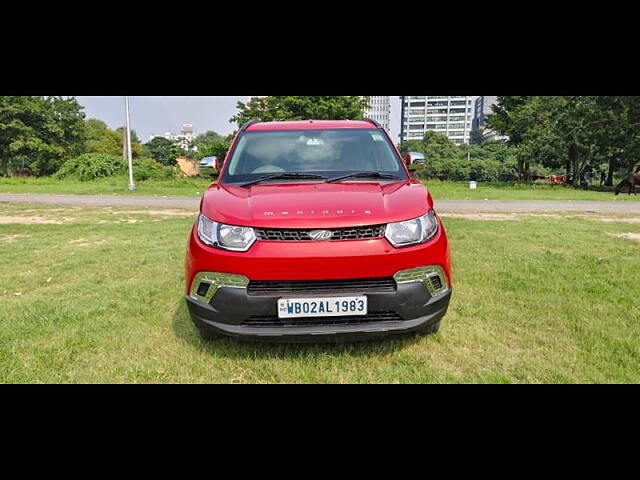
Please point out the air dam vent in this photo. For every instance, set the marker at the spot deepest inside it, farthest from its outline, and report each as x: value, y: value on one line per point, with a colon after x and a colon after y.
x: 283, y: 287
x: 303, y: 235
x: 273, y: 321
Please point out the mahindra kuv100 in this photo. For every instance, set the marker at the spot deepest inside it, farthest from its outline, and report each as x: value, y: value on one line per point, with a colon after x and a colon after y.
x: 316, y: 231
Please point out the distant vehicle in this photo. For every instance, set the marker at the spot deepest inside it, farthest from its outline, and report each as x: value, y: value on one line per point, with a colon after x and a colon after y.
x: 417, y: 157
x: 209, y: 165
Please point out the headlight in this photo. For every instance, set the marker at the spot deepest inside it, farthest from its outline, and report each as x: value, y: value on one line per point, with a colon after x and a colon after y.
x: 229, y: 237
x: 411, y: 232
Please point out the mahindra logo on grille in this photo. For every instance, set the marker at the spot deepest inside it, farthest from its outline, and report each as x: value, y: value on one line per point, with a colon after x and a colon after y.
x: 320, y: 234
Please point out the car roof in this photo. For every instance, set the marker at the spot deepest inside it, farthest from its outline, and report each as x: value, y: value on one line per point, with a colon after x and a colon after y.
x: 310, y: 125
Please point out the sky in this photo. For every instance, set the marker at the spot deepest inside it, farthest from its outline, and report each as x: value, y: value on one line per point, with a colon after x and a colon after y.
x: 157, y: 115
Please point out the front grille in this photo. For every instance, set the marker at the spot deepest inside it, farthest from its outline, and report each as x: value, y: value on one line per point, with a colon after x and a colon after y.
x: 274, y: 321
x: 358, y: 285
x: 302, y: 235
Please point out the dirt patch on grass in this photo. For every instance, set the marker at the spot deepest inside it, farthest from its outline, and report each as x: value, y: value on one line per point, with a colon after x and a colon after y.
x: 621, y: 220
x: 165, y: 213
x: 12, y: 238
x: 630, y: 236
x: 4, y: 219
x: 83, y: 242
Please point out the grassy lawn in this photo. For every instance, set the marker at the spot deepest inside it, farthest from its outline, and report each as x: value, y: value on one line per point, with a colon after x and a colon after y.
x: 95, y: 295
x: 509, y: 191
x: 192, y: 187
x: 195, y: 186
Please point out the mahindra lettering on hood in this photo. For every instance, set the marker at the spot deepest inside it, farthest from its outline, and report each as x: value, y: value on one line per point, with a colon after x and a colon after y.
x: 316, y: 231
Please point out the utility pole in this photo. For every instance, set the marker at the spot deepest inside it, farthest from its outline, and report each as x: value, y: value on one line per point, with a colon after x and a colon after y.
x: 127, y: 141
x: 124, y: 145
x: 402, y: 121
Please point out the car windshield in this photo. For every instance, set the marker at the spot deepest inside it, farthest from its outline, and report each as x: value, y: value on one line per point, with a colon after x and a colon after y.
x: 323, y: 153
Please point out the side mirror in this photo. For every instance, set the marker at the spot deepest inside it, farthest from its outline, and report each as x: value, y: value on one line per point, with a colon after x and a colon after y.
x: 217, y: 164
x: 408, y: 160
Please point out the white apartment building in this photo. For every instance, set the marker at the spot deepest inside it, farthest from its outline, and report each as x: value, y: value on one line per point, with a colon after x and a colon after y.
x: 449, y: 115
x: 184, y: 138
x: 379, y: 110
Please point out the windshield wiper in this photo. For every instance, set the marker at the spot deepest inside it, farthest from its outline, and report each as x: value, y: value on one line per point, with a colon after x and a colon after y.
x: 285, y: 176
x: 364, y: 175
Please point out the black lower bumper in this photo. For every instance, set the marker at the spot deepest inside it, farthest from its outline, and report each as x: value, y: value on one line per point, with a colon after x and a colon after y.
x: 231, y: 311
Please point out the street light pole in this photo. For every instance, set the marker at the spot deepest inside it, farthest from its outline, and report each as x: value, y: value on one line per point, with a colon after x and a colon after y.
x: 132, y: 185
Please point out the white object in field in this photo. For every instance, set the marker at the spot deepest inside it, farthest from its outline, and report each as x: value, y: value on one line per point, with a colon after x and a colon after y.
x: 473, y: 185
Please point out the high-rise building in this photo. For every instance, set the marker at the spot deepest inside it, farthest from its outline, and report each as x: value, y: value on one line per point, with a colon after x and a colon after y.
x: 483, y: 108
x: 379, y: 110
x: 449, y: 115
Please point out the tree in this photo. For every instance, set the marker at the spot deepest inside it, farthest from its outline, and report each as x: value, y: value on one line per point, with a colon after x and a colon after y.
x: 202, y: 140
x: 435, y: 146
x: 575, y: 133
x: 281, y: 108
x: 216, y: 149
x: 492, y: 161
x: 42, y: 131
x: 506, y: 119
x: 620, y: 133
x: 162, y: 150
x: 136, y: 146
x: 476, y: 137
x: 101, y: 139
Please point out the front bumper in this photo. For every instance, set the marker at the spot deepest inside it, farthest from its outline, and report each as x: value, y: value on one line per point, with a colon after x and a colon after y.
x: 232, y: 311
x: 289, y: 261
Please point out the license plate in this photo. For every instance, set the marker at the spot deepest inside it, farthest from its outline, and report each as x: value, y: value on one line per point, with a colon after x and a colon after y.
x: 322, y: 307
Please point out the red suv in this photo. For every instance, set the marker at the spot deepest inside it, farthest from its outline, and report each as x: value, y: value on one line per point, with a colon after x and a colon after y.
x: 316, y: 231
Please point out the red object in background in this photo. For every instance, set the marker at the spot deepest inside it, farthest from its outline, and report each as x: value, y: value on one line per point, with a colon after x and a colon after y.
x: 559, y: 179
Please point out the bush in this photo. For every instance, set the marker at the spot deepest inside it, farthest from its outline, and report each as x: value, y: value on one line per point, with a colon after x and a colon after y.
x: 480, y: 170
x: 146, y: 168
x: 91, y: 166
x: 490, y: 162
x: 168, y: 172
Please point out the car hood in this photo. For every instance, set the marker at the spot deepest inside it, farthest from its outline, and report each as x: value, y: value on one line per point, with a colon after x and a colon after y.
x: 316, y: 205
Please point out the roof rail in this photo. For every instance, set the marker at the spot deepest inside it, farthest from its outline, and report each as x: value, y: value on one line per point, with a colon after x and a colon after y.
x: 371, y: 120
x: 248, y: 124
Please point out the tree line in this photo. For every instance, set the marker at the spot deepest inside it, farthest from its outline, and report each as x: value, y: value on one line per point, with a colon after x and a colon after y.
x: 42, y: 134
x: 576, y: 135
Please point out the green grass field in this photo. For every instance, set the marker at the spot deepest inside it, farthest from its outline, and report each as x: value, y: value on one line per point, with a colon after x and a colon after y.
x: 195, y: 186
x: 192, y: 187
x: 511, y: 191
x: 96, y: 295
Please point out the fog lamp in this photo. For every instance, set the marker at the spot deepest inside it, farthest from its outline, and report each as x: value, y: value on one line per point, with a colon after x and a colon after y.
x: 214, y: 280
x: 431, y: 276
